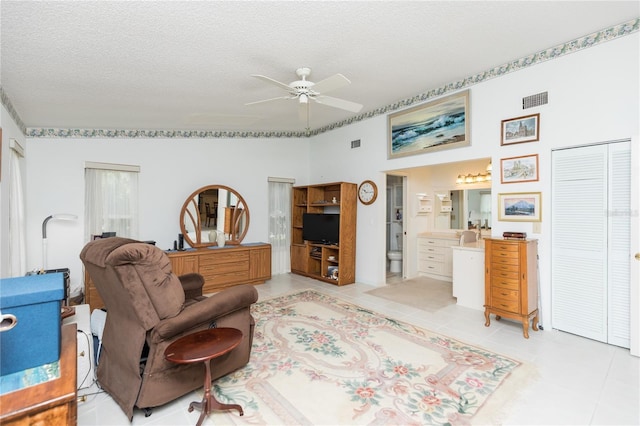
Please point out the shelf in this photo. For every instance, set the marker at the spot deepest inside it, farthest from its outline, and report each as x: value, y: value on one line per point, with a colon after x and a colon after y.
x: 312, y: 258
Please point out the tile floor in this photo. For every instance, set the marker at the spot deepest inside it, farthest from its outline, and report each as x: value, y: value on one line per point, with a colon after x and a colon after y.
x: 577, y: 381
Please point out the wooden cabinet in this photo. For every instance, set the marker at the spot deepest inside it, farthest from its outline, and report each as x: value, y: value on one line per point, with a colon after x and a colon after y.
x: 225, y: 266
x: 221, y: 267
x: 333, y: 263
x: 435, y: 257
x: 53, y: 402
x: 511, y: 281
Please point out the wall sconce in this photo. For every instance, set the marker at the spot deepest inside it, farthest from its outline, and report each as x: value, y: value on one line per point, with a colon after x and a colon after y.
x: 44, y: 233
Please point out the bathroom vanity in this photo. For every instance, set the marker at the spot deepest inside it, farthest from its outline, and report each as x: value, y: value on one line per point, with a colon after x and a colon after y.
x: 435, y: 258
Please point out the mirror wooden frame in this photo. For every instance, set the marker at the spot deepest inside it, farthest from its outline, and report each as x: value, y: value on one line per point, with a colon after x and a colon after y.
x: 239, y: 216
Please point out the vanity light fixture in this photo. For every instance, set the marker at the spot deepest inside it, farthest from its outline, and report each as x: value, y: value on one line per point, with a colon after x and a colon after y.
x: 473, y: 178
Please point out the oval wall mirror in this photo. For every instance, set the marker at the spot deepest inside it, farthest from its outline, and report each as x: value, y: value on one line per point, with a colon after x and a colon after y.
x: 211, y: 211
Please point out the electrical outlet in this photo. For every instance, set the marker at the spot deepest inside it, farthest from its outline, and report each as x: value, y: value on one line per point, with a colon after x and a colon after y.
x: 537, y: 227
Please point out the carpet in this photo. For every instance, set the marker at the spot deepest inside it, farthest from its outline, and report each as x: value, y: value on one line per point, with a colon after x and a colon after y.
x: 423, y: 293
x: 318, y: 360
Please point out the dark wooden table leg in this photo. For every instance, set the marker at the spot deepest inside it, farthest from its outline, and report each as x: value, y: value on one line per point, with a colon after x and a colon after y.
x: 209, y: 402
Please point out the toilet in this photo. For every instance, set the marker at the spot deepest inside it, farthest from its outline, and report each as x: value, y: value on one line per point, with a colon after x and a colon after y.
x: 395, y: 254
x: 395, y: 261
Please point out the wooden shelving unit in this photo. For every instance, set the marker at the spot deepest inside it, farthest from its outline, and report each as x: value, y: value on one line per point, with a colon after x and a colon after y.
x: 319, y: 261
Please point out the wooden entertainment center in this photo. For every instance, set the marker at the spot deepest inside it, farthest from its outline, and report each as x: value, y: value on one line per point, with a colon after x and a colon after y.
x: 333, y: 263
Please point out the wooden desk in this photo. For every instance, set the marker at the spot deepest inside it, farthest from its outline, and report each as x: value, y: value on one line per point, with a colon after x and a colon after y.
x: 49, y: 403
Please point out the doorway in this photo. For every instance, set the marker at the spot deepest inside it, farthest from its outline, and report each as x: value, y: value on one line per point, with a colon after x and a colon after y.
x: 395, y: 247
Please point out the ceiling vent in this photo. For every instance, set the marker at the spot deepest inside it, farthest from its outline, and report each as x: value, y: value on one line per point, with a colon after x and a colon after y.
x: 535, y: 100
x: 355, y: 144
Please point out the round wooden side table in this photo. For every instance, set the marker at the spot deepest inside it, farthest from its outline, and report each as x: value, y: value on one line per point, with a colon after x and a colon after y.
x: 203, y: 346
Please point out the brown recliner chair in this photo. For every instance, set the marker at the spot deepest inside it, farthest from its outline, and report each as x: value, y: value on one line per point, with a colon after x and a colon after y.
x: 148, y: 308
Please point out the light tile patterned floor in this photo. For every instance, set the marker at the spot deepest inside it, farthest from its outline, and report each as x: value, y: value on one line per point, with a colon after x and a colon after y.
x: 579, y: 381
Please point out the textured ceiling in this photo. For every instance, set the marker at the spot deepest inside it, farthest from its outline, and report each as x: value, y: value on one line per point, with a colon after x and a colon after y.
x: 187, y: 65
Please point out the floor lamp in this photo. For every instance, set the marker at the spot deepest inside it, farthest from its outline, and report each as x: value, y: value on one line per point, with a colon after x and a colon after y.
x: 44, y: 233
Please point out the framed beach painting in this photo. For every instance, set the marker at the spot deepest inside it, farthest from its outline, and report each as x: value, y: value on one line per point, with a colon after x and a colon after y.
x: 520, y: 129
x: 520, y: 207
x: 519, y: 169
x: 441, y: 124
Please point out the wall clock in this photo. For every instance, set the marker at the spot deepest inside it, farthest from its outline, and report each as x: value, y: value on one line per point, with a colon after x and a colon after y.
x: 367, y: 192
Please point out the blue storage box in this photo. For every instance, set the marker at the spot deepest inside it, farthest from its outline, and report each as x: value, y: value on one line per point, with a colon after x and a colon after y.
x: 35, y: 301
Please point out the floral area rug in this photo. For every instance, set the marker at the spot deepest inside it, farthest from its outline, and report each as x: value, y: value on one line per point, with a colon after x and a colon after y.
x: 318, y: 360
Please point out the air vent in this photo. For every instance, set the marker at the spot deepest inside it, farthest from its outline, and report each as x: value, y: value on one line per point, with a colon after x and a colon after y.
x: 535, y: 100
x: 355, y: 144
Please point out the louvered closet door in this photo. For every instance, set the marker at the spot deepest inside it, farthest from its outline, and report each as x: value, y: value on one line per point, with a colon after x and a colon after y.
x: 619, y: 247
x: 590, y: 242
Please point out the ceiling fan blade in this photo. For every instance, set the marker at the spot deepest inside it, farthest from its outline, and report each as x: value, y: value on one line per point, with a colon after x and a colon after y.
x: 272, y: 81
x: 338, y: 103
x: 334, y: 82
x: 269, y: 100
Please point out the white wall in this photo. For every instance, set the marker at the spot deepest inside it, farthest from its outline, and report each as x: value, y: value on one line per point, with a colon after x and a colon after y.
x: 593, y: 96
x: 170, y: 170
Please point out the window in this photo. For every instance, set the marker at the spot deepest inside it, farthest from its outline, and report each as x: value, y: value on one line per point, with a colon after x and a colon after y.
x: 111, y: 199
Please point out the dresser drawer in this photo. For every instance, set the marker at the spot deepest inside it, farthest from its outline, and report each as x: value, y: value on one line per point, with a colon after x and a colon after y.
x: 430, y: 266
x: 211, y: 270
x: 502, y: 267
x: 505, y: 261
x: 223, y: 279
x: 432, y: 257
x: 224, y: 257
x: 505, y: 247
x: 505, y: 283
x: 505, y: 294
x: 436, y: 242
x: 512, y: 275
x: 505, y: 304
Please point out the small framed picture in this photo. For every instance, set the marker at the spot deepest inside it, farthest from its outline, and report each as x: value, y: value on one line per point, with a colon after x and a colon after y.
x: 520, y: 129
x: 519, y: 169
x: 520, y: 207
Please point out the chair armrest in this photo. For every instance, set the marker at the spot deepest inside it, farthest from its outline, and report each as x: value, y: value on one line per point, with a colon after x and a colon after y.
x: 192, y: 285
x: 207, y: 310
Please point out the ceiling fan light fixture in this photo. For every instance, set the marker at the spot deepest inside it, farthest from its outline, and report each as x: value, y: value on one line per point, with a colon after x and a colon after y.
x: 304, y: 99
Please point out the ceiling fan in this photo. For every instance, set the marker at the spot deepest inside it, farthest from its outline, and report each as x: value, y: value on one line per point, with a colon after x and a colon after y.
x: 306, y: 91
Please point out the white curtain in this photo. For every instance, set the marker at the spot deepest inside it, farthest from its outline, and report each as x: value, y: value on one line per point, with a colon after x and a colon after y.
x: 111, y: 201
x: 280, y: 224
x: 17, y: 247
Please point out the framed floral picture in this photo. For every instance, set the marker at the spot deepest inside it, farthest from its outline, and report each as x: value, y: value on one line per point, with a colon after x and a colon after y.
x: 434, y: 126
x: 519, y: 169
x: 520, y: 207
x: 520, y: 129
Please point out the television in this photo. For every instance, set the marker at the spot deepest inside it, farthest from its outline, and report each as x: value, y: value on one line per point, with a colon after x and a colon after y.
x: 321, y: 228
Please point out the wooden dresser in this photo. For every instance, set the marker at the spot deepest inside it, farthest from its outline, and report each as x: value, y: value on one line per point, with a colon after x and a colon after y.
x: 50, y: 403
x: 511, y: 281
x: 221, y: 267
